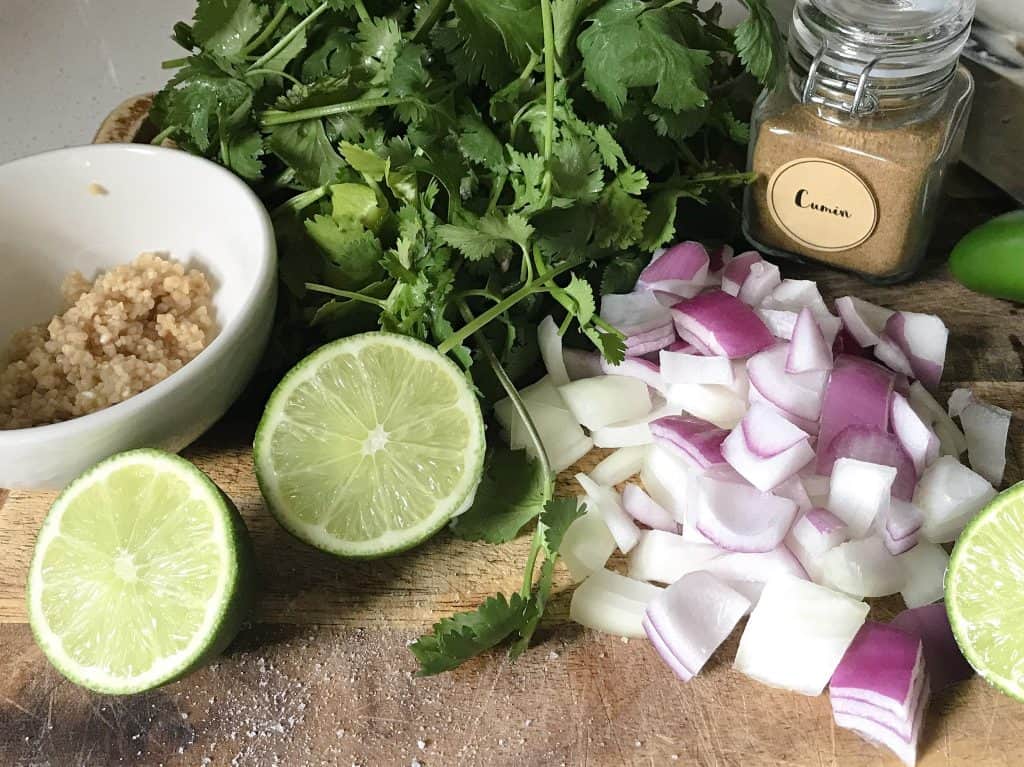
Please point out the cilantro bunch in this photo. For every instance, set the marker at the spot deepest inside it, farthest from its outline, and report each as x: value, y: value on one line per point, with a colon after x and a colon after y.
x: 458, y: 169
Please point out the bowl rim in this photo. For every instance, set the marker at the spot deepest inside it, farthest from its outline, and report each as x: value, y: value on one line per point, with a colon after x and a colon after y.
x: 263, y: 282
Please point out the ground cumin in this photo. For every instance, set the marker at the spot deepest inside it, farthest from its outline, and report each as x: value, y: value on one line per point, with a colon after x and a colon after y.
x: 897, y: 163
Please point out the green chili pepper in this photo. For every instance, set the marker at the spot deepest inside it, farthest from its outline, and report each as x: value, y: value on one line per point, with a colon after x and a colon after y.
x: 990, y: 259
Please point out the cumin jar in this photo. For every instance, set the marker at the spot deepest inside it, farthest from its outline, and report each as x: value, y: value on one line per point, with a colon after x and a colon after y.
x: 852, y: 144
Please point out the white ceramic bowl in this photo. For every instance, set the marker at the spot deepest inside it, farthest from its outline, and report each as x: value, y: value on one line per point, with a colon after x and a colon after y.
x: 53, y: 222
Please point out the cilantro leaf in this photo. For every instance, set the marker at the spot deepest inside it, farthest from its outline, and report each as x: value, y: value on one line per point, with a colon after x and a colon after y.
x: 622, y: 272
x: 582, y: 294
x: 628, y: 45
x: 484, y: 237
x: 759, y: 43
x: 225, y: 27
x: 203, y: 99
x: 559, y: 514
x: 465, y: 635
x: 305, y: 148
x: 497, y: 38
x: 512, y: 492
x: 479, y: 145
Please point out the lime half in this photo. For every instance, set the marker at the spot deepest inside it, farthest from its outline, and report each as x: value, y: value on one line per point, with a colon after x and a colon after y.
x: 370, y: 445
x: 142, y: 571
x: 985, y: 592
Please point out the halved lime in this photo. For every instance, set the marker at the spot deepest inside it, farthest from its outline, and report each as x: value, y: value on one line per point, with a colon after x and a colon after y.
x: 142, y: 571
x: 370, y: 445
x: 985, y: 592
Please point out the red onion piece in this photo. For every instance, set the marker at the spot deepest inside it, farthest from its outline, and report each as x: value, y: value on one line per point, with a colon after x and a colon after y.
x: 859, y: 492
x: 737, y: 271
x: 794, y: 490
x: 902, y: 523
x: 872, y: 445
x: 679, y: 368
x: 695, y: 440
x: 889, y: 354
x: 694, y: 616
x: 757, y: 568
x: 722, y: 323
x: 666, y: 557
x: 683, y: 347
x: 809, y: 426
x: 986, y: 428
x: 917, y: 440
x: 740, y: 518
x: 857, y: 393
x: 951, y: 439
x: 799, y: 394
x: 635, y: 313
x: 877, y: 729
x: 643, y: 509
x: 763, y: 278
x: 719, y: 258
x: 863, y: 320
x: 612, y: 603
x: 863, y: 568
x: 781, y: 323
x: 665, y: 651
x: 808, y: 350
x: 949, y: 494
x: 748, y: 449
x: 797, y: 635
x: 884, y: 668
x: 767, y: 433
x: 796, y: 295
x: 922, y: 338
x: 619, y: 466
x: 681, y: 270
x: 650, y: 341
x: 607, y: 502
x: 958, y: 401
x: 925, y: 567
x: 819, y: 531
x: 945, y: 663
x: 582, y: 364
x: 635, y: 367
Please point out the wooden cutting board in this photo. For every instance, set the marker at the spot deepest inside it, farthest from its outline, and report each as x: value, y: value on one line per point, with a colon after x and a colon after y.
x: 322, y: 676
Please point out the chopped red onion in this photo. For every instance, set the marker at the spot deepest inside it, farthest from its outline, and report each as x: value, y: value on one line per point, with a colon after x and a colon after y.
x: 817, y: 486
x: 793, y: 489
x: 587, y: 545
x: 863, y: 568
x: 722, y: 323
x: 863, y: 320
x: 681, y: 270
x: 919, y: 442
x: 665, y: 557
x: 740, y: 518
x: 665, y: 477
x: 679, y: 368
x: 808, y: 350
x: 799, y: 394
x: 581, y: 364
x: 719, y: 405
x: 607, y: 502
x: 766, y: 449
x: 797, y: 635
x: 857, y: 393
x: 645, y: 510
x: 871, y: 445
x: 900, y: 526
x: 986, y: 428
x: 612, y: 603
x: 691, y: 618
x: 650, y: 341
x: 796, y: 295
x: 635, y: 313
x: 696, y: 441
x: 883, y: 668
x: 807, y: 425
x: 883, y: 732
x: 737, y: 271
x: 780, y: 323
x: 692, y: 340
x: 762, y: 567
x: 550, y: 343
x: 683, y: 347
x: 949, y: 494
x: 945, y: 663
x: 819, y: 531
x: 560, y: 433
x: 664, y: 651
x: 605, y: 400
x: 718, y: 259
x: 859, y: 492
x: 958, y: 401
x: 891, y: 355
x: 636, y: 367
x: 922, y: 338
x: 925, y: 570
x: 763, y: 278
x: 624, y: 463
x: 952, y: 440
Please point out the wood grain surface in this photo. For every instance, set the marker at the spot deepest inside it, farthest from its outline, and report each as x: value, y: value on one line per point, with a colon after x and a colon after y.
x: 322, y: 675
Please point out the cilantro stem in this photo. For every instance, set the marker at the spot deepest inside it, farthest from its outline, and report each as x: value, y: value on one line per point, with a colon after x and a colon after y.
x: 275, y: 73
x: 174, y: 63
x: 327, y: 289
x: 290, y: 35
x: 500, y: 308
x: 300, y: 201
x: 549, y: 93
x: 163, y: 135
x: 531, y: 561
x: 268, y: 30
x: 361, y: 10
x: 437, y: 9
x: 271, y: 117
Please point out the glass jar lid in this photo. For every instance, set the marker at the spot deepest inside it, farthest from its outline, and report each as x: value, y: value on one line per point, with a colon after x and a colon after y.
x: 877, y: 46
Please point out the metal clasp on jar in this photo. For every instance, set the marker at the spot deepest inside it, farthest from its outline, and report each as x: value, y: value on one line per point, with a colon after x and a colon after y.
x: 864, y: 101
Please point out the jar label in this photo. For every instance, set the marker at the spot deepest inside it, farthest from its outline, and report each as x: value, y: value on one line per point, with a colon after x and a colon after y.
x: 822, y: 205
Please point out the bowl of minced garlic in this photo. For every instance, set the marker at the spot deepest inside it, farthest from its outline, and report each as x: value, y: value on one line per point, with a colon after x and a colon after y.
x: 137, y: 299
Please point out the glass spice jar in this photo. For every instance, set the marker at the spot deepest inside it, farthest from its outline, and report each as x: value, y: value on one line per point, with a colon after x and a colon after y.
x: 851, y: 146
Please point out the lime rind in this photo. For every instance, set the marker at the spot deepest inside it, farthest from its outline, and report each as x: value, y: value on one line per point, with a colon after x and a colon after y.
x: 985, y: 592
x: 222, y: 612
x: 311, y: 446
